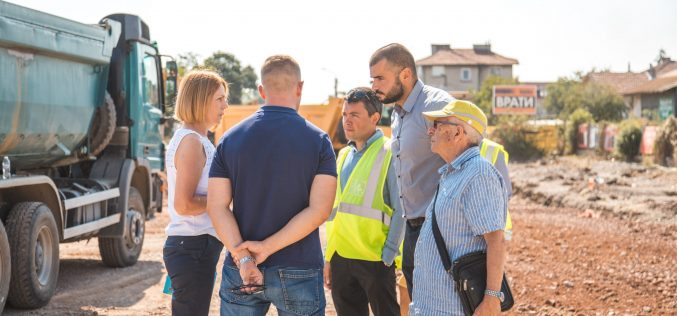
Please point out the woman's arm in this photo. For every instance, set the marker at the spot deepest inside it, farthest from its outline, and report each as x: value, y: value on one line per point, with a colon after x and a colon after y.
x: 189, y: 160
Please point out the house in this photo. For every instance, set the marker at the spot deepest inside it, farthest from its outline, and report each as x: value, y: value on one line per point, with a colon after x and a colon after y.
x: 621, y: 82
x: 459, y: 70
x: 659, y: 93
x: 653, y: 90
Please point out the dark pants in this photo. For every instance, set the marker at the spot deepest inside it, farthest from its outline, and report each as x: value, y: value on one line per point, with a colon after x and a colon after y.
x: 191, y: 265
x: 356, y: 284
x: 409, y: 246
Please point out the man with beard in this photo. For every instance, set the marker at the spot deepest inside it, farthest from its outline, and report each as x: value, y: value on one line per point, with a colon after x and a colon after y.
x: 393, y: 71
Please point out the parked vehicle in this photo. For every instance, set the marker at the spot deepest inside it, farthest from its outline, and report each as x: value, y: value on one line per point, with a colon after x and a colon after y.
x: 81, y: 113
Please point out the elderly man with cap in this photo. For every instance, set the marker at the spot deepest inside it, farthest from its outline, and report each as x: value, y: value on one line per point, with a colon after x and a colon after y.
x: 470, y: 209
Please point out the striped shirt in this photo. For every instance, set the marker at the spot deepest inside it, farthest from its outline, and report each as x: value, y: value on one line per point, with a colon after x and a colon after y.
x: 471, y: 202
x: 415, y: 165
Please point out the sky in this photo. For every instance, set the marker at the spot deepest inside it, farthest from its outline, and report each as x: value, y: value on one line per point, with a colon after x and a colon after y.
x: 334, y: 39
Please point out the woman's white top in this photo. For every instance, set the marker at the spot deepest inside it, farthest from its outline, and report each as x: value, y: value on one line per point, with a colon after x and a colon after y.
x: 188, y: 225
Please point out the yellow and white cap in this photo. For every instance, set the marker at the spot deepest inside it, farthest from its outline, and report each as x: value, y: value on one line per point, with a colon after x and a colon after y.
x: 464, y: 111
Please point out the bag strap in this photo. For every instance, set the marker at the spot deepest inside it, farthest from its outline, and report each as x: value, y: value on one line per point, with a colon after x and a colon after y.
x: 439, y: 241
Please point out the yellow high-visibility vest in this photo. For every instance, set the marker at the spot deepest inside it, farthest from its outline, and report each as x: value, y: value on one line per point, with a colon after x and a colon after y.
x: 360, y: 220
x: 492, y: 151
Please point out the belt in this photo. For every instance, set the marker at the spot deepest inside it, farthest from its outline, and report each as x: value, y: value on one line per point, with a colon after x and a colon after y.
x: 416, y: 222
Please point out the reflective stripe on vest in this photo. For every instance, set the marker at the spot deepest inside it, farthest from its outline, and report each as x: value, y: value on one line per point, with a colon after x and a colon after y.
x: 365, y: 209
x: 489, y: 150
x: 367, y: 212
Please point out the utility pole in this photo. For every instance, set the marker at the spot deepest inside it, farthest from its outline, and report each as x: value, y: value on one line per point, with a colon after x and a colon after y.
x: 335, y: 81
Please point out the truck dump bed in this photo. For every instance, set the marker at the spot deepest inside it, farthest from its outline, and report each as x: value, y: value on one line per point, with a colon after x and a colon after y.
x: 53, y: 76
x: 324, y: 116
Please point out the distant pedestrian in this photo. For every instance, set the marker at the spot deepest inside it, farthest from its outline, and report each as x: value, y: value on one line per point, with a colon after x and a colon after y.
x: 279, y: 172
x: 192, y: 249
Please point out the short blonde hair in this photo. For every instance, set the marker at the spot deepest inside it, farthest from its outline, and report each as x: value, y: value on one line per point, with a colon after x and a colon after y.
x: 280, y: 73
x: 195, y: 92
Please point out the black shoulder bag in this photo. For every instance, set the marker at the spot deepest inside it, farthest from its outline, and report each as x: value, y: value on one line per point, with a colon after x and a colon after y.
x: 469, y: 273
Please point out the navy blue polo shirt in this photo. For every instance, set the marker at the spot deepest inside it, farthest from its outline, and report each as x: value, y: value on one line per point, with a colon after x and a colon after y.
x: 271, y: 159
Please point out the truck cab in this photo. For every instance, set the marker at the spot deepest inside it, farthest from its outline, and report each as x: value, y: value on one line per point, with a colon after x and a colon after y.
x: 82, y: 108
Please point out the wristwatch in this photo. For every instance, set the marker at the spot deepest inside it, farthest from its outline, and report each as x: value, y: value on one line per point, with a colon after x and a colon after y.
x: 246, y: 259
x: 497, y: 294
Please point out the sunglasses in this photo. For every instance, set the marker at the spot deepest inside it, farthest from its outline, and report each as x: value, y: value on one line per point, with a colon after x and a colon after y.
x: 356, y: 96
x: 240, y: 290
x: 436, y: 123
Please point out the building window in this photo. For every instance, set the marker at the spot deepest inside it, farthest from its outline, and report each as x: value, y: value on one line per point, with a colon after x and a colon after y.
x: 438, y: 71
x: 495, y: 71
x: 542, y: 92
x: 419, y: 71
x: 466, y: 75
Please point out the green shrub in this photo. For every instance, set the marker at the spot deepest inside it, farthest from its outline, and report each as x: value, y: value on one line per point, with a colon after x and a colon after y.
x: 629, y: 139
x: 651, y: 115
x: 513, y: 136
x: 576, y: 118
x: 665, y: 152
x: 600, y: 138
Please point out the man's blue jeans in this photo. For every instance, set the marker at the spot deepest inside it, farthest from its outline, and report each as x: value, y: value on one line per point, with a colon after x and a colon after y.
x: 293, y: 292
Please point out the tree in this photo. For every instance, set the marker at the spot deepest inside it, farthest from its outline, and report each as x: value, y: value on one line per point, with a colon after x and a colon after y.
x: 484, y: 97
x: 567, y: 95
x: 241, y: 80
x: 186, y: 62
x: 603, y: 102
x: 564, y: 97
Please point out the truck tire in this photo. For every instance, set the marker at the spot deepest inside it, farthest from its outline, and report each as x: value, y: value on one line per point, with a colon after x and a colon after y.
x: 5, y: 267
x: 34, y: 243
x: 103, y: 125
x: 124, y: 251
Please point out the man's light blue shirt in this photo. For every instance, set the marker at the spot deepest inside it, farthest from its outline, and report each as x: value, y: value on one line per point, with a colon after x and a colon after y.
x: 415, y: 165
x: 390, y: 197
x: 471, y: 202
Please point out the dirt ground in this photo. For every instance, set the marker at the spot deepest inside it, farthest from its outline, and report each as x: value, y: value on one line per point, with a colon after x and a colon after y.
x: 591, y: 237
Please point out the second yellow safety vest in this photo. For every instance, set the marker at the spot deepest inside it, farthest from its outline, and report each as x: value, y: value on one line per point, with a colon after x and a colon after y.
x: 491, y: 151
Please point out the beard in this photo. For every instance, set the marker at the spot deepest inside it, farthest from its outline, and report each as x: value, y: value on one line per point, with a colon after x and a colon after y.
x: 395, y: 94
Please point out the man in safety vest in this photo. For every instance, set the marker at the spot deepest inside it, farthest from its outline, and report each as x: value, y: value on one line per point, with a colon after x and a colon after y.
x: 366, y: 227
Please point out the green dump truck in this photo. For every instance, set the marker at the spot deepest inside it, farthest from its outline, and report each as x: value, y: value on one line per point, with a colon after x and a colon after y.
x: 81, y: 114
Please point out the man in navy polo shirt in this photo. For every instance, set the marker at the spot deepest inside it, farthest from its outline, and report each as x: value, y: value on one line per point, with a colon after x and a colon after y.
x: 279, y: 172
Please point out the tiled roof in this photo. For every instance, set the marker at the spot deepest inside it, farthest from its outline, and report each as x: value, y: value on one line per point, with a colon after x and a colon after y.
x: 666, y: 69
x: 620, y: 81
x: 654, y: 86
x: 465, y: 57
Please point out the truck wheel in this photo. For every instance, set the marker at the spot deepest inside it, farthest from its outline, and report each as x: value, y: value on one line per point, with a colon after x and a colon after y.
x: 124, y: 251
x: 103, y: 125
x: 34, y: 242
x: 5, y: 267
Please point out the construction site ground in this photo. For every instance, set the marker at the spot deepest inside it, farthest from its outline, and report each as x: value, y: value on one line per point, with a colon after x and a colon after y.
x: 591, y: 237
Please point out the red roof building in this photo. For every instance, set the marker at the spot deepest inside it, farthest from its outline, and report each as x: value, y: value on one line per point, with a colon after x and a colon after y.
x: 460, y: 70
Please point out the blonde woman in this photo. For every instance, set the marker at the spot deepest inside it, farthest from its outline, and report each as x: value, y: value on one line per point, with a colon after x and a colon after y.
x: 192, y: 249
